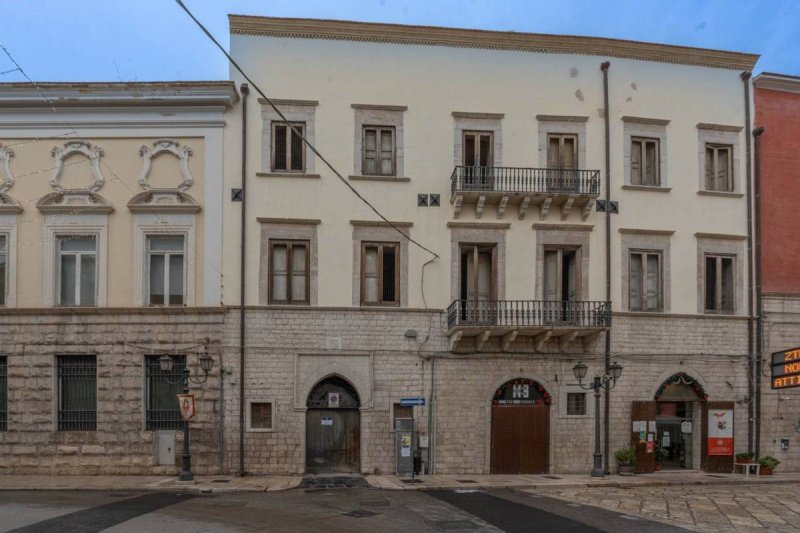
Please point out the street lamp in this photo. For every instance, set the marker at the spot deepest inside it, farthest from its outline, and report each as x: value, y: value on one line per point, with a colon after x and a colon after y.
x: 607, y: 382
x: 206, y: 364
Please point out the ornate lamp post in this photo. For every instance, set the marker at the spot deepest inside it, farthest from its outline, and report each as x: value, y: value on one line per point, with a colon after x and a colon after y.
x: 600, y: 382
x: 206, y: 364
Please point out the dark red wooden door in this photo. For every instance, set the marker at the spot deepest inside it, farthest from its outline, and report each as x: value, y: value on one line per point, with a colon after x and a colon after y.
x: 644, y: 412
x: 714, y: 463
x: 520, y: 439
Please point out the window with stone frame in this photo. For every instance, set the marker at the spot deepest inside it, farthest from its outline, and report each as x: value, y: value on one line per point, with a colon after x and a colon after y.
x: 576, y: 403
x: 3, y: 268
x: 719, y: 283
x: 161, y: 404
x: 289, y: 271
x: 719, y: 167
x: 288, y: 148
x: 260, y: 416
x: 645, y: 285
x: 378, y: 151
x: 166, y: 270
x: 380, y: 273
x: 3, y: 393
x: 76, y: 392
x: 645, y: 167
x: 400, y: 412
x: 562, y: 151
x: 77, y: 270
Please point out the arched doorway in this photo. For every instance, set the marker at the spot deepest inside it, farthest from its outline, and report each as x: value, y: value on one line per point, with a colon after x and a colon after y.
x: 520, y: 428
x: 333, y: 427
x: 678, y: 417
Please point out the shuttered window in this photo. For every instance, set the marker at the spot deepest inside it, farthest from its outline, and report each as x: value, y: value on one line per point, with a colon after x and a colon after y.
x: 378, y: 158
x: 478, y: 149
x: 289, y: 279
x: 288, y: 153
x: 645, y: 282
x: 562, y: 151
x: 161, y: 390
x: 719, y: 282
x: 380, y: 273
x: 3, y: 393
x: 645, y: 162
x: 3, y: 268
x: 719, y: 167
x: 77, y: 392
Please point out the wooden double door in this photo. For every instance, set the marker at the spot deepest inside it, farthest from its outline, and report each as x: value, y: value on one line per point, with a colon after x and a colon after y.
x: 520, y: 439
x: 333, y: 440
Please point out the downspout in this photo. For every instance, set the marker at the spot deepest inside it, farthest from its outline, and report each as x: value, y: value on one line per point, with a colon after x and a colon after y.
x: 245, y: 90
x: 759, y: 309
x: 752, y: 415
x: 431, y: 429
x: 607, y: 360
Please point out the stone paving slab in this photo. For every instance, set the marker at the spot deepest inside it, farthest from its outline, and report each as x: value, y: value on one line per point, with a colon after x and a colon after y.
x: 150, y: 483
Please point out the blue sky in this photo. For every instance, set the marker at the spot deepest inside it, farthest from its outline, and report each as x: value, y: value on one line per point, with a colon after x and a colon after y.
x: 142, y: 40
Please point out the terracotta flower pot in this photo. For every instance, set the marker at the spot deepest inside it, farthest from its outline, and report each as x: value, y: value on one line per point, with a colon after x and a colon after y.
x: 625, y: 470
x: 765, y: 471
x: 744, y: 460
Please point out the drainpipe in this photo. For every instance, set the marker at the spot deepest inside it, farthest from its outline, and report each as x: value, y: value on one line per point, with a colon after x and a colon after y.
x: 759, y: 309
x: 245, y: 90
x: 752, y: 415
x: 607, y: 360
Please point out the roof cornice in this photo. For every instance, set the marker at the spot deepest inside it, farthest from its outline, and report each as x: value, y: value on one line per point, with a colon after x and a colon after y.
x: 777, y: 82
x: 109, y: 94
x: 494, y: 40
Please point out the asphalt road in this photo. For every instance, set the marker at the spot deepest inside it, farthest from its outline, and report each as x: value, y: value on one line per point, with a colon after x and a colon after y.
x: 329, y: 510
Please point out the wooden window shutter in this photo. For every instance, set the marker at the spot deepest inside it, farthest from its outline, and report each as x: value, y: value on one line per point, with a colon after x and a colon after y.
x: 370, y: 274
x: 569, y: 156
x: 551, y: 275
x: 710, y: 184
x: 726, y: 284
x: 711, y: 283
x: 279, y: 147
x: 279, y: 272
x: 653, y: 282
x: 553, y: 152
x: 370, y: 161
x: 299, y: 272
x: 635, y: 285
x: 387, y: 152
x: 297, y: 152
x: 636, y: 162
x: 486, y: 150
x: 651, y: 163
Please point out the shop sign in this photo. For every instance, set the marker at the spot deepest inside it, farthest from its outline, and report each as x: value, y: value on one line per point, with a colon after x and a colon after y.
x: 186, y: 404
x: 786, y: 369
x: 686, y: 426
x: 327, y: 420
x: 720, y: 432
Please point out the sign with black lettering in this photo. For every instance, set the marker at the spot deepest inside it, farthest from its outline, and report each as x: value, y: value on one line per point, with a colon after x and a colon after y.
x: 786, y: 369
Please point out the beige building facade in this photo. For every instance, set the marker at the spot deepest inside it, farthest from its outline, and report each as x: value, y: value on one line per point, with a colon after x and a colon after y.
x: 488, y: 150
x: 110, y: 224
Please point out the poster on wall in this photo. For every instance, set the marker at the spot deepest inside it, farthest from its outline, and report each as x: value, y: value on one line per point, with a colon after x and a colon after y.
x: 720, y: 432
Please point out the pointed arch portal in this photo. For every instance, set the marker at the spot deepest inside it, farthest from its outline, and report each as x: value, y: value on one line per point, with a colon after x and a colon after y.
x: 333, y: 427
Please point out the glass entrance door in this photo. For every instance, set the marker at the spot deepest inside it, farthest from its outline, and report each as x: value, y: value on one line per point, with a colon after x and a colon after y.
x: 674, y: 428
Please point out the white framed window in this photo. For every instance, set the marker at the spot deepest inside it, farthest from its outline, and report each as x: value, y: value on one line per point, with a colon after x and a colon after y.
x: 166, y: 269
x: 77, y: 270
x: 260, y: 415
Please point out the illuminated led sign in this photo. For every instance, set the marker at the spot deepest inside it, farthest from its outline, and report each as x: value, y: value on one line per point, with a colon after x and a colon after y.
x: 786, y: 369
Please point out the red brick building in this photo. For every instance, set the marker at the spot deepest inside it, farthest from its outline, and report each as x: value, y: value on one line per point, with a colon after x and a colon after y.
x: 777, y: 104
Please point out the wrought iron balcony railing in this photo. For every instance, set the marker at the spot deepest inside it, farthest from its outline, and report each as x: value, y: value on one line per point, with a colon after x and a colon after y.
x: 529, y: 313
x: 525, y: 180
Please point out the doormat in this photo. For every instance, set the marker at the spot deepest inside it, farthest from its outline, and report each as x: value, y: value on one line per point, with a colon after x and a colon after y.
x: 333, y: 482
x: 466, y: 481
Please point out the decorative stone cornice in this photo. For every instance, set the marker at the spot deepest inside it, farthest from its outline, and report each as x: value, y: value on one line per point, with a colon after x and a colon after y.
x: 645, y: 120
x: 380, y: 224
x: 93, y: 153
x: 163, y: 201
x: 639, y: 231
x: 160, y: 147
x: 285, y: 101
x: 561, y: 118
x: 343, y: 30
x: 7, y: 180
x: 562, y: 227
x: 720, y: 236
x: 9, y: 206
x: 380, y: 107
x: 480, y: 116
x: 73, y: 202
x: 777, y: 82
x: 719, y: 127
x: 297, y: 221
x: 479, y: 225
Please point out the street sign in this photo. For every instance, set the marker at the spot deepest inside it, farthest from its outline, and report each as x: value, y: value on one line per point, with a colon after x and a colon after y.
x: 410, y: 402
x: 786, y: 369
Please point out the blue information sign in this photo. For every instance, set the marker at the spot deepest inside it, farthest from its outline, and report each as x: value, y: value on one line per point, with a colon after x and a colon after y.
x: 409, y: 402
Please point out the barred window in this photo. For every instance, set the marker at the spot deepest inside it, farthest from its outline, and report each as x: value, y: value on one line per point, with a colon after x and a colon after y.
x: 288, y: 152
x: 77, y: 393
x: 162, y: 411
x: 260, y: 415
x: 576, y: 403
x: 3, y: 393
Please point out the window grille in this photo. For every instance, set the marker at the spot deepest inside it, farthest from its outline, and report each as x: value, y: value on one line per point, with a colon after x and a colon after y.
x: 576, y: 403
x: 162, y: 410
x: 77, y: 393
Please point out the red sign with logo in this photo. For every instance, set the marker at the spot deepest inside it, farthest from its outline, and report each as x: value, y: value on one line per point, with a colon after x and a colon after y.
x: 720, y: 432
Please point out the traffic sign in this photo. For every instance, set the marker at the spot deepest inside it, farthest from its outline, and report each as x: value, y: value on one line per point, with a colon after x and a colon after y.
x: 410, y: 402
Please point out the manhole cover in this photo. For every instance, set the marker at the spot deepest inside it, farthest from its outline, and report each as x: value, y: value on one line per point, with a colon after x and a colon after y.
x: 360, y: 513
x: 449, y: 525
x: 411, y: 480
x: 466, y: 481
x: 552, y: 477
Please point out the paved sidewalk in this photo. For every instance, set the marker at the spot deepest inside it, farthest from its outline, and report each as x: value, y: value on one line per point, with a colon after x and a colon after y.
x: 462, y: 481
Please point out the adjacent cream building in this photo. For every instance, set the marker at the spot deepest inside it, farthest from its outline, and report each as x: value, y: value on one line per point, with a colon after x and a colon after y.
x: 487, y: 149
x: 110, y: 228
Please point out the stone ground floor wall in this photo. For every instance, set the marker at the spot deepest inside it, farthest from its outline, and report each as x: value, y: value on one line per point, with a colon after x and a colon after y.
x: 32, y: 339
x: 780, y: 412
x: 288, y: 351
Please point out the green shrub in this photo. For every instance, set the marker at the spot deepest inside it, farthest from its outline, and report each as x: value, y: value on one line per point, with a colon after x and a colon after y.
x: 744, y: 455
x: 626, y: 456
x: 768, y: 462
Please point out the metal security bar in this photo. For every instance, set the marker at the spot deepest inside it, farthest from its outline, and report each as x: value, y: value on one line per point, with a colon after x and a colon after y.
x: 162, y: 410
x: 77, y: 393
x: 525, y: 180
x: 3, y: 393
x: 529, y: 313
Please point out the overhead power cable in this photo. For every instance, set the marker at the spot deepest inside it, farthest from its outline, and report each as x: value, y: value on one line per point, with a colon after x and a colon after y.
x: 297, y: 132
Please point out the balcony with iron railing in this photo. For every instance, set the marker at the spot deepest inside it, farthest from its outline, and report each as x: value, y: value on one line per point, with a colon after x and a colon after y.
x: 565, y: 320
x: 525, y: 187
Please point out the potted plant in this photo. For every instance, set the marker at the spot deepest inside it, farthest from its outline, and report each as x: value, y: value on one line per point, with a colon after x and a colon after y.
x: 626, y: 461
x: 661, y: 456
x: 768, y: 464
x: 744, y: 457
